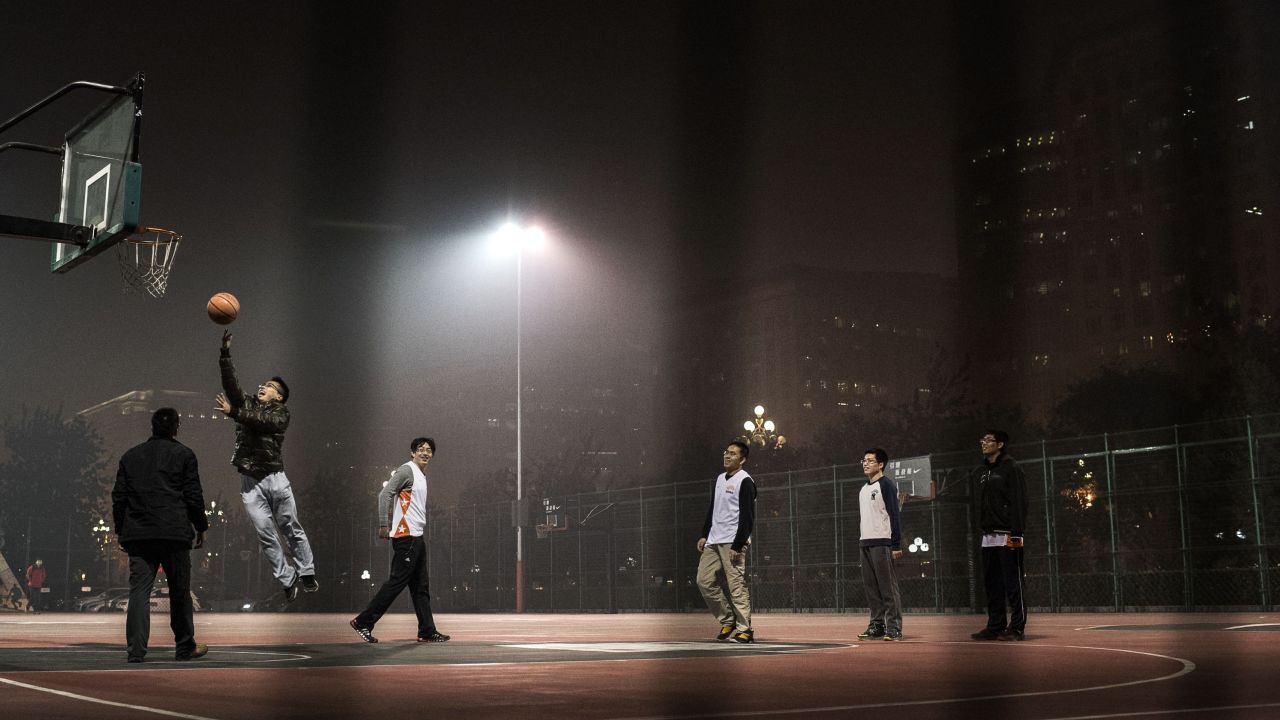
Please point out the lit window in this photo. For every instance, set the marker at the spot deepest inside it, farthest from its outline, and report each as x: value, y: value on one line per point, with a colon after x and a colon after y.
x: 1144, y: 288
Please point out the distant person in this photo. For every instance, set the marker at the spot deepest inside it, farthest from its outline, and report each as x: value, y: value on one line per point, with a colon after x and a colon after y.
x: 402, y: 507
x: 1001, y: 493
x: 158, y: 508
x: 723, y: 545
x: 267, y: 495
x: 36, y: 576
x: 879, y: 546
x: 14, y: 596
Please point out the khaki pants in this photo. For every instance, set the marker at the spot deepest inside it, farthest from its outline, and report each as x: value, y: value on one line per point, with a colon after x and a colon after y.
x: 736, y: 609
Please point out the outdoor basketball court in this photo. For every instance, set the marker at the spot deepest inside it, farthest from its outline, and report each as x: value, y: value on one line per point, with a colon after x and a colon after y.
x: 645, y: 666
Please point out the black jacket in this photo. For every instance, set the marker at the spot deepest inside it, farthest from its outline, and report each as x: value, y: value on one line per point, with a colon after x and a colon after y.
x: 259, y: 426
x: 157, y: 495
x: 1001, y: 491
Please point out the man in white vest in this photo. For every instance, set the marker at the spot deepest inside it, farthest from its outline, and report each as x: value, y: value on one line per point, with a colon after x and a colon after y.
x: 880, y: 543
x: 402, y: 505
x: 725, y: 536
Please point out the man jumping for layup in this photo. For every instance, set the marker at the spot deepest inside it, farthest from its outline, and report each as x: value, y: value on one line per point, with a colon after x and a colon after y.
x: 268, y: 498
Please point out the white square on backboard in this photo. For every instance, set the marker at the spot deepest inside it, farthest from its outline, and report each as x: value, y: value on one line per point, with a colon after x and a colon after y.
x: 97, y: 196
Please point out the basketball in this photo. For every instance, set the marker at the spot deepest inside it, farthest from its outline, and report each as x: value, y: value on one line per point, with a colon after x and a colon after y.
x: 223, y: 308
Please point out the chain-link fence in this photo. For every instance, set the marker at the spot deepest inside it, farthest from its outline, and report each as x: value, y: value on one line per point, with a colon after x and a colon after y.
x: 1178, y: 518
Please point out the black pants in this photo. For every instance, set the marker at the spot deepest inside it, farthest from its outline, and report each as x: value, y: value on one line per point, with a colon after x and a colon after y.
x: 1002, y: 574
x: 408, y: 569
x: 145, y: 558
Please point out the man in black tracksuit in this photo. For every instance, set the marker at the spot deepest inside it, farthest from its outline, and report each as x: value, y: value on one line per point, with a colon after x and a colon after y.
x: 1001, y: 493
x: 158, y: 508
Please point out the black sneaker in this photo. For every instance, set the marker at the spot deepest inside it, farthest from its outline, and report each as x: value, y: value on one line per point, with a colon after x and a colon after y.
x: 309, y: 583
x: 432, y: 637
x: 986, y: 634
x: 725, y: 632
x: 199, y: 651
x: 872, y: 632
x: 291, y: 592
x: 1012, y: 635
x: 365, y: 633
x: 135, y: 658
x: 744, y: 637
x: 894, y: 635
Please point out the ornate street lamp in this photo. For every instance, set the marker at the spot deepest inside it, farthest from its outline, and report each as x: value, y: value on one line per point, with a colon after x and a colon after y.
x: 762, y: 431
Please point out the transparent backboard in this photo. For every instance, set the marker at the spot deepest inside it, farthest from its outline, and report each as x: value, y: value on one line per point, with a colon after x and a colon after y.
x: 101, y: 178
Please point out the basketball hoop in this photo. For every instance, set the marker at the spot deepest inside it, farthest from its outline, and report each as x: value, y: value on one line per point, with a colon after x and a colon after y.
x: 543, y: 530
x: 146, y: 257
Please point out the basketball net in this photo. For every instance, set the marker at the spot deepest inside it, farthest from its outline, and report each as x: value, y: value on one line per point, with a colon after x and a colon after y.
x: 146, y: 257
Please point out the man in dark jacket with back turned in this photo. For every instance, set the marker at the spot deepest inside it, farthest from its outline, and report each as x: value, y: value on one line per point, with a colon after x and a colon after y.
x: 158, y: 508
x: 1001, y: 491
x: 261, y: 420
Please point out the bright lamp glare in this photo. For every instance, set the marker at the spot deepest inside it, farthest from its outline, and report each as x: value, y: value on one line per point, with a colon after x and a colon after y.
x: 511, y: 238
x: 534, y: 238
x: 748, y: 426
x: 768, y: 425
x: 759, y: 410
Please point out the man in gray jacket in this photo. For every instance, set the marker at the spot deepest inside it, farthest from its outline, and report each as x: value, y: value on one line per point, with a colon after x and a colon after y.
x: 261, y: 420
x: 402, y: 507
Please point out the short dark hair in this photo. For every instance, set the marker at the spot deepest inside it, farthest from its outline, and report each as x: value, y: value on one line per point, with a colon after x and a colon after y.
x: 419, y: 442
x: 882, y: 457
x: 745, y: 448
x: 1001, y: 436
x: 284, y: 389
x: 164, y: 422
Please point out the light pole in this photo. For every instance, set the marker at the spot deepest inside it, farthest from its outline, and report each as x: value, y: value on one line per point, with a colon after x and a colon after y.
x: 513, y: 238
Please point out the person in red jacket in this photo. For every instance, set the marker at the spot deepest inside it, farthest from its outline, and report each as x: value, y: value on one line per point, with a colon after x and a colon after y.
x: 36, y: 576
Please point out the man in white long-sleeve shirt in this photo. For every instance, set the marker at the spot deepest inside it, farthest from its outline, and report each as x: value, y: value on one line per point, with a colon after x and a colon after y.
x: 879, y: 545
x: 402, y: 509
x: 723, y: 545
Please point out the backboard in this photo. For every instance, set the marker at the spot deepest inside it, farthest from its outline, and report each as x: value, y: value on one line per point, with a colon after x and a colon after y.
x: 913, y: 476
x: 101, y: 178
x: 101, y: 181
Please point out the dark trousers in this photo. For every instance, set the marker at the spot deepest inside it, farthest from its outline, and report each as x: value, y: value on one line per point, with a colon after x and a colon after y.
x: 408, y: 569
x: 145, y: 558
x: 1002, y: 574
x: 881, y: 584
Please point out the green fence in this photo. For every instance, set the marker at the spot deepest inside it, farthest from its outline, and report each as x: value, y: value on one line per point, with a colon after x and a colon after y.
x: 1178, y: 518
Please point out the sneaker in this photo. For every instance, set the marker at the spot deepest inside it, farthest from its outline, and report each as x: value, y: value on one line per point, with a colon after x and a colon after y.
x: 135, y: 658
x: 199, y: 651
x: 366, y: 633
x: 309, y: 583
x: 744, y: 637
x: 986, y: 634
x: 872, y: 632
x: 432, y: 637
x: 893, y: 635
x: 725, y: 632
x: 291, y: 592
x: 1012, y: 635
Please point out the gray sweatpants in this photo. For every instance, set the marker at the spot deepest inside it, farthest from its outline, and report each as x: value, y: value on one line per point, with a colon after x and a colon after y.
x: 882, y: 587
x: 269, y: 503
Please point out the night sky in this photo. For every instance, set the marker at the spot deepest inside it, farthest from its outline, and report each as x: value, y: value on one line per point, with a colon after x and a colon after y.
x: 338, y: 170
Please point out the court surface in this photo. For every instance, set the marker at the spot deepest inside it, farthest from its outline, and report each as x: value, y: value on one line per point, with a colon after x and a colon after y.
x: 295, y: 665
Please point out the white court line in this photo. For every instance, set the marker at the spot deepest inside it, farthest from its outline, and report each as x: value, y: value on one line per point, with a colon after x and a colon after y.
x: 1187, y: 666
x: 1169, y: 712
x: 285, y: 657
x: 99, y: 701
x: 1254, y: 625
x: 54, y: 622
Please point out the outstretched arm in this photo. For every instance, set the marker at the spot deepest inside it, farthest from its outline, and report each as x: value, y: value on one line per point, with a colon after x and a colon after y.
x: 230, y: 385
